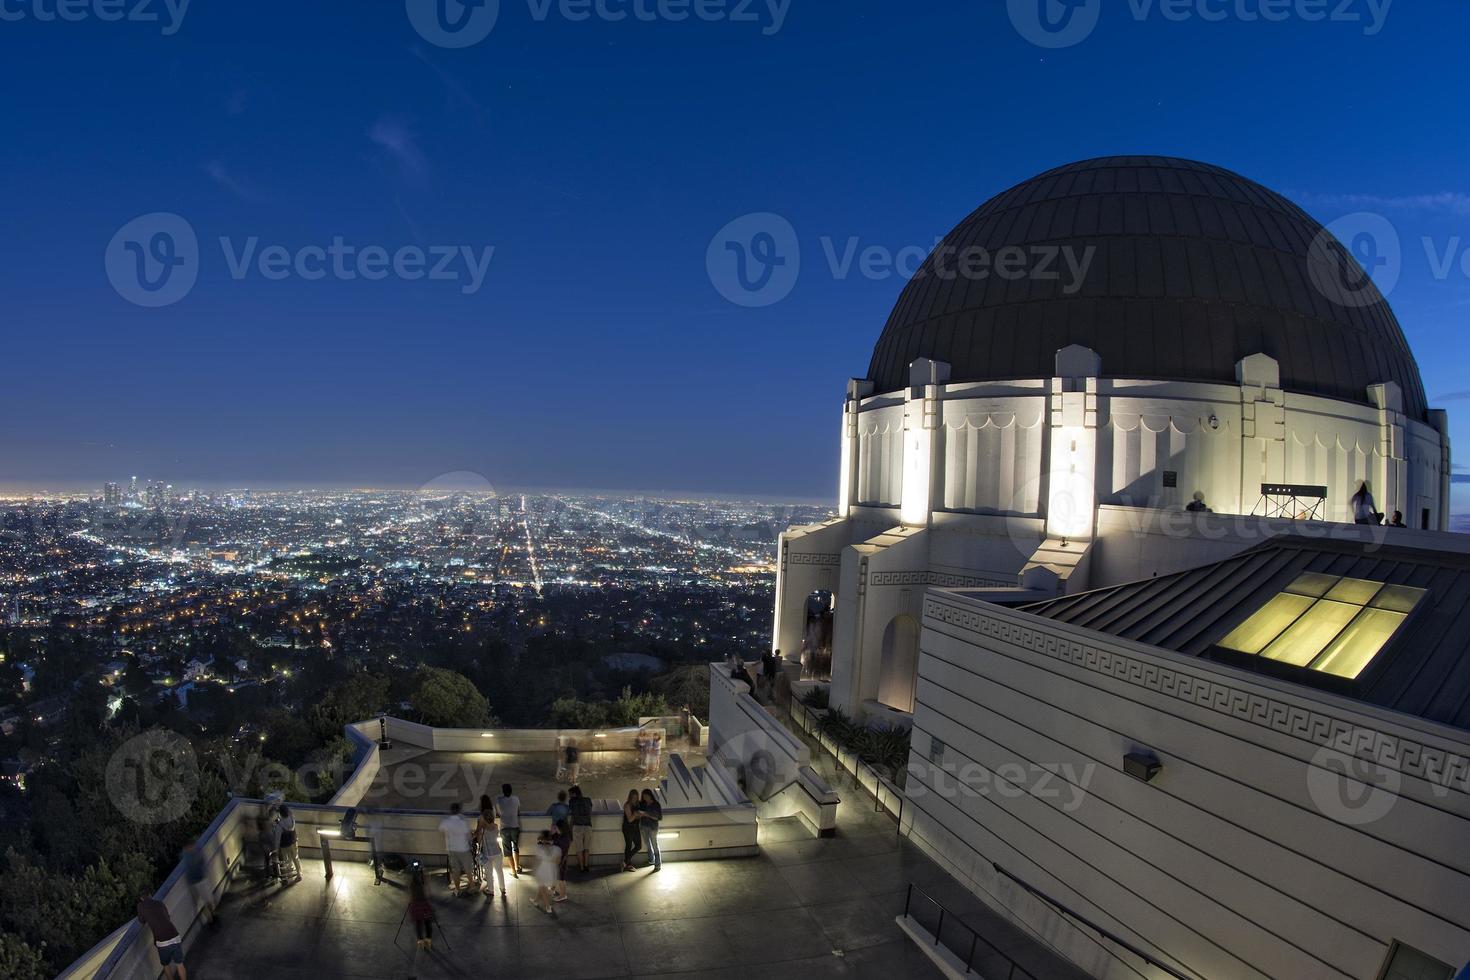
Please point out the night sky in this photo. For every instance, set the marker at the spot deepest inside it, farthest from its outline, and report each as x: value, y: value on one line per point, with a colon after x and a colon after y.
x: 599, y: 158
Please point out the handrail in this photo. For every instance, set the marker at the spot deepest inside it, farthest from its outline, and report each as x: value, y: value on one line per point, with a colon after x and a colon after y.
x: 1016, y: 970
x: 1118, y: 940
x: 802, y: 714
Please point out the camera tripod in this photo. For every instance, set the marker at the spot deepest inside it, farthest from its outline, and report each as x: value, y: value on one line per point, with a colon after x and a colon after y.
x: 433, y: 920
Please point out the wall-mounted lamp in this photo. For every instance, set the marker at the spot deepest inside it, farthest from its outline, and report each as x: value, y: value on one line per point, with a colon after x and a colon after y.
x: 487, y: 734
x: 1214, y: 421
x: 1143, y: 766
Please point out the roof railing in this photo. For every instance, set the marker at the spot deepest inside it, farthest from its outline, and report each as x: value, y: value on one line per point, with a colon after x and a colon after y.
x: 966, y: 950
x: 1083, y: 920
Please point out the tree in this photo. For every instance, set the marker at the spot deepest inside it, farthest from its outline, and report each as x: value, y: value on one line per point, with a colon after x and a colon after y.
x: 445, y: 699
x: 287, y: 737
x: 65, y: 914
x: 687, y: 685
x: 18, y: 961
x: 135, y: 678
x: 360, y: 697
x: 571, y: 713
x: 629, y: 708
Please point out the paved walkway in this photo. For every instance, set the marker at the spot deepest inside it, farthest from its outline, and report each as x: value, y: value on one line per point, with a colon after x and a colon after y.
x: 857, y: 821
x: 805, y: 909
x: 786, y: 915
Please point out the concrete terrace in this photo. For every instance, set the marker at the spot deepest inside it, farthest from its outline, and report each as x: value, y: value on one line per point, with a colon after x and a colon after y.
x: 805, y: 908
x: 787, y: 913
x: 736, y: 894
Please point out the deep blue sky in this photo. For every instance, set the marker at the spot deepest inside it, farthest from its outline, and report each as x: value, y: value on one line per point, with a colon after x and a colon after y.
x: 599, y: 159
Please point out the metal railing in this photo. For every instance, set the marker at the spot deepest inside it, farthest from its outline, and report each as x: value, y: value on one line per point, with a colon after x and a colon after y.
x: 996, y: 965
x: 855, y: 766
x: 1088, y: 923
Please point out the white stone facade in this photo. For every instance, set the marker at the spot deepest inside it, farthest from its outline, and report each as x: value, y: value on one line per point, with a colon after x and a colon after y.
x: 1005, y: 484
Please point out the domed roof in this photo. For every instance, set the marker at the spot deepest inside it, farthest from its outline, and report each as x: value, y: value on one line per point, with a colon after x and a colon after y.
x: 1195, y: 268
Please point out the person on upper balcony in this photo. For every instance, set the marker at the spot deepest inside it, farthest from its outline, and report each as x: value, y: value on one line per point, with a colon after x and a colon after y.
x: 1365, y: 511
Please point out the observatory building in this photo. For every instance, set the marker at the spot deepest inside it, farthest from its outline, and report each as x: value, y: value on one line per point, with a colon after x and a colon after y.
x: 1023, y: 429
x: 1096, y: 544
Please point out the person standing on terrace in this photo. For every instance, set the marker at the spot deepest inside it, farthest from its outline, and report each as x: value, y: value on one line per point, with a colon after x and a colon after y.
x: 561, y: 842
x: 631, y: 829
x: 492, y: 861
x: 573, y: 761
x: 196, y: 870
x: 650, y: 812
x: 166, y: 939
x: 547, y: 857
x: 290, y: 853
x: 456, y: 832
x: 581, y: 813
x: 559, y: 811
x: 508, y: 809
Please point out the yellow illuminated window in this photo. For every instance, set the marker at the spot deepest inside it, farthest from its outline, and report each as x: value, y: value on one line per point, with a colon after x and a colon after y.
x: 1360, y: 642
x: 1327, y: 623
x: 1269, y: 622
x: 1316, y: 628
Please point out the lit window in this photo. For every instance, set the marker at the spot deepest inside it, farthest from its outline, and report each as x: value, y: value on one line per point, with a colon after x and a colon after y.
x: 1327, y: 623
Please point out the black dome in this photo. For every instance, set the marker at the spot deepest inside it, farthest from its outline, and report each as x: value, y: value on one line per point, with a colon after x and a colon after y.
x: 1196, y: 267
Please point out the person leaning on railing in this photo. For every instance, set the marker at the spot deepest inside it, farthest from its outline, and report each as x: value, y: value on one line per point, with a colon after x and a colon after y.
x: 166, y: 939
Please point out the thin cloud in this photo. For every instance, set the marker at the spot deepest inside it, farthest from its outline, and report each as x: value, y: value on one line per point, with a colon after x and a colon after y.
x: 454, y: 87
x: 1444, y: 202
x: 413, y: 226
x: 394, y: 136
x: 221, y: 176
x: 1454, y: 396
x: 238, y: 102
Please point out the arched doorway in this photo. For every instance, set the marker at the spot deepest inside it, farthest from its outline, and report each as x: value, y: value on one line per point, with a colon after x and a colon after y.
x: 816, y: 637
x: 898, y: 676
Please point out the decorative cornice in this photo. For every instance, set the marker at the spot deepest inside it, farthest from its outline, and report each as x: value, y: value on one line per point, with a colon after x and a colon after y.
x: 1257, y: 707
x: 943, y: 580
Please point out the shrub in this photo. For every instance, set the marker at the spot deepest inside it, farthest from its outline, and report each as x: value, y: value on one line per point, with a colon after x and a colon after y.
x: 885, y: 749
x: 838, y: 727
